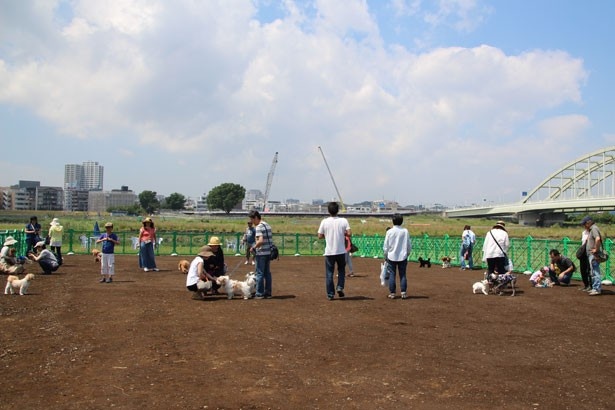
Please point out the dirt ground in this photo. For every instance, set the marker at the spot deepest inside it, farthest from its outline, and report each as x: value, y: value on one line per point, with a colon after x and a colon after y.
x: 141, y: 342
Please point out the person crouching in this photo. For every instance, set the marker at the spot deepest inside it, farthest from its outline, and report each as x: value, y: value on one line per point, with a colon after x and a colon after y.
x: 45, y: 258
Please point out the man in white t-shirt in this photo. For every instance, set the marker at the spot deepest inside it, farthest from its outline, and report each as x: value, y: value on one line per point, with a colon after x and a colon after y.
x: 334, y: 230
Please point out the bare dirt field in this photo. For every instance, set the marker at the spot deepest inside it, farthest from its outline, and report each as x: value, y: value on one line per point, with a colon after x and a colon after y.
x: 141, y: 342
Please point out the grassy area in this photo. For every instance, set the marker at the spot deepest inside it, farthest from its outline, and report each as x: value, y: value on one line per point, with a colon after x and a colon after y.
x: 432, y: 225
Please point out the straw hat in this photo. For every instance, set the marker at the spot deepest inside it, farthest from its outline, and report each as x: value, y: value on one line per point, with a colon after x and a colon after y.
x: 206, y: 252
x: 214, y: 241
x: 9, y: 241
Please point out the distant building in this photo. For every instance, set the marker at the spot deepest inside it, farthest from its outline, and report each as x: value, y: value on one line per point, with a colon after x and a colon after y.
x: 79, y: 179
x: 30, y: 195
x: 100, y: 201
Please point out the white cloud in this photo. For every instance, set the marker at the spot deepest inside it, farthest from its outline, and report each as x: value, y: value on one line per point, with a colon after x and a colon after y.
x: 207, y: 80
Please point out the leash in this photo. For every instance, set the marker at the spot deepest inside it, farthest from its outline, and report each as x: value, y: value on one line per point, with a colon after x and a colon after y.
x: 234, y: 269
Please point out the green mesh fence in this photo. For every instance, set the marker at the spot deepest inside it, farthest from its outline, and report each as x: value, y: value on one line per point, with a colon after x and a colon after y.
x: 527, y: 254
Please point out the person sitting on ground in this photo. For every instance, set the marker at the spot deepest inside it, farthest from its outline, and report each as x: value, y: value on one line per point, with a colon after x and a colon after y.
x: 45, y: 258
x: 561, y: 268
x: 8, y: 260
x: 540, y: 278
x: 198, y: 279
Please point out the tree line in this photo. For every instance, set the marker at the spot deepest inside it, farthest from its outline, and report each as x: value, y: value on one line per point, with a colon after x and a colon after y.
x: 224, y: 197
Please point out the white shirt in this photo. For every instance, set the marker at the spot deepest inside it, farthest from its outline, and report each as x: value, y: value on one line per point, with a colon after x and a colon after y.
x: 334, y: 229
x: 397, y: 244
x: 491, y: 248
x: 193, y: 272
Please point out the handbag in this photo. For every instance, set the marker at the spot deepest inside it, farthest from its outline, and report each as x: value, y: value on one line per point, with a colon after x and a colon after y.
x: 581, y: 251
x: 601, y: 256
x: 353, y: 248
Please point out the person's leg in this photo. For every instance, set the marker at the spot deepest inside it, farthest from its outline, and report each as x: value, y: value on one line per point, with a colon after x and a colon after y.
x: 341, y: 273
x: 329, y: 267
x: 403, y: 283
x: 267, y: 277
x: 348, y: 258
x: 391, y: 268
x: 462, y: 254
x: 596, y: 275
x: 259, y: 277
x: 469, y: 262
x: 585, y: 272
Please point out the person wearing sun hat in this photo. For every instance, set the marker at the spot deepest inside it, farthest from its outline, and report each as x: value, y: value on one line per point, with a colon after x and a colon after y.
x: 45, y: 258
x: 217, y: 261
x: 147, y: 239
x: 494, y: 249
x: 198, y: 279
x: 8, y: 261
x: 107, y: 261
x: 55, y: 238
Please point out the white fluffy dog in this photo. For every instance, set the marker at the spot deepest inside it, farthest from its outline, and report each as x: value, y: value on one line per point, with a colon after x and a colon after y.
x: 482, y: 286
x: 13, y: 283
x: 232, y: 286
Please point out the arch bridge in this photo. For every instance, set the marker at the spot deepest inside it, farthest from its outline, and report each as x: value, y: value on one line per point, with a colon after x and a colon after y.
x: 586, y: 184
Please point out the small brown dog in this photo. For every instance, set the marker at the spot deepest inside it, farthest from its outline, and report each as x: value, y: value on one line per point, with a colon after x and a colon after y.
x: 183, y: 266
x: 446, y: 262
x: 97, y: 255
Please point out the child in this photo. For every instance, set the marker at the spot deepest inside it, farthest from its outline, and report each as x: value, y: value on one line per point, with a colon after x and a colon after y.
x: 538, y: 278
x: 107, y: 262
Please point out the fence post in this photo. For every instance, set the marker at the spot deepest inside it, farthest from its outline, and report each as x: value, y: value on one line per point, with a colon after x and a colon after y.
x: 71, y: 233
x: 528, y: 246
x: 608, y: 245
x: 297, y: 245
x: 565, y: 240
x: 174, y: 244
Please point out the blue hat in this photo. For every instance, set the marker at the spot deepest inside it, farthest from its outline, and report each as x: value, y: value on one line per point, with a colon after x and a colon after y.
x: 586, y: 220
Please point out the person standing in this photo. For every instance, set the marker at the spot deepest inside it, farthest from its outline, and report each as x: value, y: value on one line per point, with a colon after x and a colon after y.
x: 593, y: 247
x: 334, y: 230
x: 249, y: 239
x: 397, y: 247
x: 468, y: 240
x: 55, y: 238
x: 348, y: 257
x: 107, y: 261
x: 494, y: 249
x: 45, y: 258
x: 147, y: 239
x: 33, y: 234
x: 584, y: 262
x: 262, y: 248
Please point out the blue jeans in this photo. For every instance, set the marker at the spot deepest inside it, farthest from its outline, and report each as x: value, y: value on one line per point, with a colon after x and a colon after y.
x: 596, y: 275
x: 330, y: 261
x: 468, y: 249
x: 348, y: 260
x: 263, y: 276
x: 146, y: 255
x: 401, y: 268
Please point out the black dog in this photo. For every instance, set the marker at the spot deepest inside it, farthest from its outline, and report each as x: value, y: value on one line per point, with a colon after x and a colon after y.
x: 424, y: 262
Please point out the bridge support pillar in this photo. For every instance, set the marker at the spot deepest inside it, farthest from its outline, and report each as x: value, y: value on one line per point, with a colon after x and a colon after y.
x: 540, y: 218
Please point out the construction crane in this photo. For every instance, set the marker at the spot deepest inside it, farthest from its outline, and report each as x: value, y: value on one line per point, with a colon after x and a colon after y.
x: 269, y: 179
x: 333, y: 180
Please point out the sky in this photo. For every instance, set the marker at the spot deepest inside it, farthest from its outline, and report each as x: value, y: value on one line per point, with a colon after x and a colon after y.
x: 454, y: 102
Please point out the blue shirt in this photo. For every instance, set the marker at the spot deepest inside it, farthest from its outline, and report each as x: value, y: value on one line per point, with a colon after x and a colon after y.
x: 108, y: 246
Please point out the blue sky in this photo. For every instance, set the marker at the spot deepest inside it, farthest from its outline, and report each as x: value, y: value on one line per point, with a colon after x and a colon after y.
x: 451, y: 102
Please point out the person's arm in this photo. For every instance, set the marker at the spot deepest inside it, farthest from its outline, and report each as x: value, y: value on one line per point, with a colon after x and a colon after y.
x: 203, y: 274
x: 260, y: 241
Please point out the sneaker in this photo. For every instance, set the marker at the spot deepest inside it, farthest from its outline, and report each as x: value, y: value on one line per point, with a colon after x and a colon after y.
x: 391, y: 296
x: 268, y: 296
x: 246, y: 262
x: 340, y: 293
x: 145, y: 270
x: 156, y: 270
x: 404, y: 295
x: 108, y: 280
x: 594, y: 292
x: 259, y: 297
x: 252, y: 262
x: 351, y: 275
x: 102, y: 280
x: 330, y: 297
x: 585, y: 289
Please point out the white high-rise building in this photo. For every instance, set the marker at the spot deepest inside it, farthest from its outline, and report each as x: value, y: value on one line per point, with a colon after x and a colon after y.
x: 87, y: 176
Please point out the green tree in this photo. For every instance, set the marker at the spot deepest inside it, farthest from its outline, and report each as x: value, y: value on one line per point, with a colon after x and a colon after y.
x: 175, y: 201
x: 148, y: 201
x: 225, y: 196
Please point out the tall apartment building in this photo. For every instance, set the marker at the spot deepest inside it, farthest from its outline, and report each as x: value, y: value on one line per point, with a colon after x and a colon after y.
x: 79, y: 180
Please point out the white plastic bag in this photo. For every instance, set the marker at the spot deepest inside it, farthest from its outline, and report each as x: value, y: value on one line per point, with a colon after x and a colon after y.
x: 383, y: 274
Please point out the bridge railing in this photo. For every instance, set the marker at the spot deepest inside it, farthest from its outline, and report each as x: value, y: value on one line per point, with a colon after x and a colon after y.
x: 527, y: 254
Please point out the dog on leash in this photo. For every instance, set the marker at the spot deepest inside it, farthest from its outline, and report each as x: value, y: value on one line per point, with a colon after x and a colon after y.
x: 481, y: 286
x: 13, y: 284
x: 446, y: 262
x: 183, y: 266
x: 499, y: 282
x: 97, y: 255
x: 232, y: 286
x: 424, y: 263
